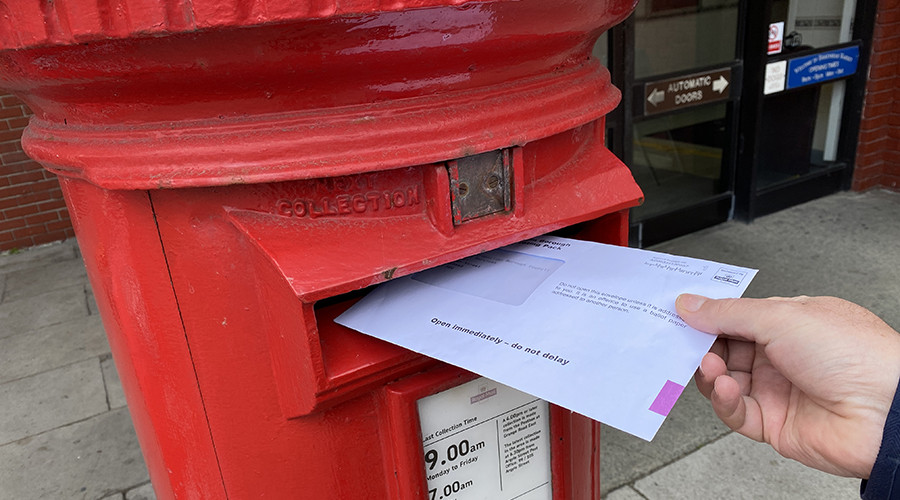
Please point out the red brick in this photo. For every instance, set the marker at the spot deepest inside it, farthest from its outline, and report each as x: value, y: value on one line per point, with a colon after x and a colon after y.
x: 893, y: 120
x: 8, y: 204
x: 41, y: 218
x: 870, y: 158
x: 868, y: 173
x: 17, y: 168
x: 15, y: 190
x: 39, y: 189
x: 878, y: 59
x: 14, y: 157
x: 868, y: 148
x: 869, y: 170
x: 59, y: 225
x: 891, y: 156
x: 29, y: 177
x: 879, y: 85
x: 21, y: 211
x: 861, y: 184
x: 890, y: 41
x: 11, y: 224
x: 888, y: 16
x: 40, y: 239
x: 15, y: 202
x: 13, y: 112
x: 54, y: 204
x: 10, y: 146
x: 28, y: 231
x: 876, y: 71
x: 10, y: 100
x: 17, y: 243
x: 10, y: 135
x: 875, y: 109
x: 19, y: 123
x: 873, y: 135
x: 874, y: 122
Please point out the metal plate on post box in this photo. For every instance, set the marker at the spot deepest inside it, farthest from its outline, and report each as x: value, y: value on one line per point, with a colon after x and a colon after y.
x: 480, y: 185
x: 483, y: 439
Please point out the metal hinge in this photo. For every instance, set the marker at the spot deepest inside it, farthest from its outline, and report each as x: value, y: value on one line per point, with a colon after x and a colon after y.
x: 480, y: 185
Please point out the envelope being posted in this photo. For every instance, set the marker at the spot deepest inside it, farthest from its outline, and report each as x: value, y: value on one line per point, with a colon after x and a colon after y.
x: 587, y: 326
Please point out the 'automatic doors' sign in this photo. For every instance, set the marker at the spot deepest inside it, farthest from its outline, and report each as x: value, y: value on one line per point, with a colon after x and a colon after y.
x: 686, y: 91
x: 822, y: 67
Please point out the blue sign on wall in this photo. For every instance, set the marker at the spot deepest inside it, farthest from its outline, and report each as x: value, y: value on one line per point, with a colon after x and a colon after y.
x: 822, y: 67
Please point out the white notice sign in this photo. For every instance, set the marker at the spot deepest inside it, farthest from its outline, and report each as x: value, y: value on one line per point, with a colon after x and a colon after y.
x: 776, y: 74
x: 483, y: 439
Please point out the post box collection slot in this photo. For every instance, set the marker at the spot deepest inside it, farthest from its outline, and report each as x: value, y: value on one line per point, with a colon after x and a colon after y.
x: 316, y: 267
x: 348, y: 355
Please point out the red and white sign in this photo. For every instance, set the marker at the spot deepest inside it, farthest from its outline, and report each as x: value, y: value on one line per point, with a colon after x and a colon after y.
x: 776, y: 37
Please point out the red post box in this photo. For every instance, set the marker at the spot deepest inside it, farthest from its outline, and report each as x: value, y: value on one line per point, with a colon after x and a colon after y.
x: 238, y: 172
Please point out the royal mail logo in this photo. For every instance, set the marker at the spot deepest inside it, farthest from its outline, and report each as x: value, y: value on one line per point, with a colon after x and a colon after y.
x: 729, y: 276
x: 482, y: 396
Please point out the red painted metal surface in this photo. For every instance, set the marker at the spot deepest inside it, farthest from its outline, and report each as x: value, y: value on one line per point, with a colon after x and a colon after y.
x: 238, y: 172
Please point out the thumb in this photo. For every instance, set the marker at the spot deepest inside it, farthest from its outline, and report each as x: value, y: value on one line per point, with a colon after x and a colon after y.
x: 747, y: 319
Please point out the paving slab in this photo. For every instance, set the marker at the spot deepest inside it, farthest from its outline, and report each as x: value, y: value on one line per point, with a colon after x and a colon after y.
x: 115, y: 395
x: 690, y: 425
x: 35, y: 404
x: 737, y: 467
x: 144, y: 492
x: 624, y: 493
x: 44, y: 277
x: 27, y: 257
x: 46, y: 348
x: 89, y: 459
x: 32, y: 313
x: 91, y: 301
x: 843, y: 245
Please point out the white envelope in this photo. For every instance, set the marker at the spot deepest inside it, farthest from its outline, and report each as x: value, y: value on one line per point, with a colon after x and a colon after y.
x: 587, y: 326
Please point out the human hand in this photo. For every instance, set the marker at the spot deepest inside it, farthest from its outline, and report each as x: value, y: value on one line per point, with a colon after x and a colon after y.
x: 812, y: 376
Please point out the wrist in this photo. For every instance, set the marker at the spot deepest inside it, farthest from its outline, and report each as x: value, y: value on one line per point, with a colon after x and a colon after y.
x: 884, y: 480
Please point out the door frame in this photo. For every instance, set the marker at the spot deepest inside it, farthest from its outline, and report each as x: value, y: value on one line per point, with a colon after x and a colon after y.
x: 702, y: 213
x: 752, y: 202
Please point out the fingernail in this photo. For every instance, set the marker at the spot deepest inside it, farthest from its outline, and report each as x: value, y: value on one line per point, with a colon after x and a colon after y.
x: 690, y: 302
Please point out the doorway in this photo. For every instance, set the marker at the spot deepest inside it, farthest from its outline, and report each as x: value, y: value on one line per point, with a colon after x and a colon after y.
x: 704, y: 138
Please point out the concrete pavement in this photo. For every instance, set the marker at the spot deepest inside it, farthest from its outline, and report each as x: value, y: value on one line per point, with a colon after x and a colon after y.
x: 846, y: 245
x: 65, y: 430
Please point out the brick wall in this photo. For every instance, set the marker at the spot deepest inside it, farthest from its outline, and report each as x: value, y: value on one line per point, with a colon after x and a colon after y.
x: 32, y: 210
x: 878, y: 156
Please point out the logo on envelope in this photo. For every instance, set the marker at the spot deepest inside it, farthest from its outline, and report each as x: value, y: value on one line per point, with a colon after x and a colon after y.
x: 729, y: 276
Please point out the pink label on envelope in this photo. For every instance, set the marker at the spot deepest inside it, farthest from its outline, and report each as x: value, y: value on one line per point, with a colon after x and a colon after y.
x: 666, y: 398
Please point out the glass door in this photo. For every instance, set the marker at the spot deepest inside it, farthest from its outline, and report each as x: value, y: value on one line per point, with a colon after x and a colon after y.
x: 677, y: 129
x: 806, y: 72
